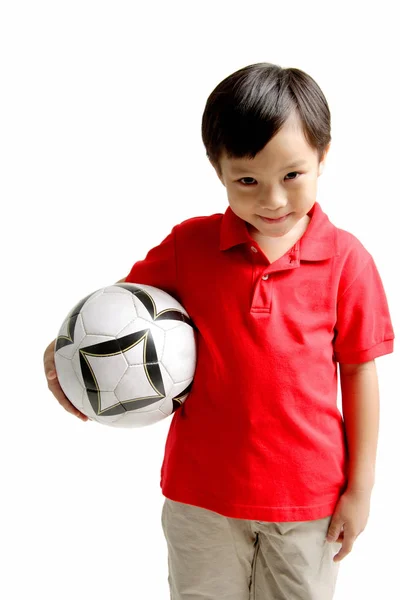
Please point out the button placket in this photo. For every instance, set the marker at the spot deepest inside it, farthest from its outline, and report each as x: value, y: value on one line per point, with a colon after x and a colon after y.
x: 262, y: 293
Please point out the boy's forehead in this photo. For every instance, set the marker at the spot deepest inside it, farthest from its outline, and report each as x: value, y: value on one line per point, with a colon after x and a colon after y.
x: 236, y: 165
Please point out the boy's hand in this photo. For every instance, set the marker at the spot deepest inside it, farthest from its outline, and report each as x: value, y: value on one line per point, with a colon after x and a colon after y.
x: 351, y: 515
x: 53, y: 384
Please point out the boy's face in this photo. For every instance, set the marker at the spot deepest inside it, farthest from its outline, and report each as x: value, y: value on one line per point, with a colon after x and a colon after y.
x: 268, y: 186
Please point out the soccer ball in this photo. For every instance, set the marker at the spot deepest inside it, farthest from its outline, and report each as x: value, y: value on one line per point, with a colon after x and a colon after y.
x: 125, y: 355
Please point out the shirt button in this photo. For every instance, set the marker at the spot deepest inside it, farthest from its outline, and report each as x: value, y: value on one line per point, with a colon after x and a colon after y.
x: 265, y: 277
x: 254, y: 249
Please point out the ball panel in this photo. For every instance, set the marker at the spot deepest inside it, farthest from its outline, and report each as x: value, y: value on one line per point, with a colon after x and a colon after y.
x: 69, y: 383
x: 106, y: 370
x: 160, y: 299
x: 108, y: 314
x: 132, y: 420
x: 88, y: 340
x: 176, y: 394
x: 72, y: 332
x: 165, y: 324
x: 179, y: 356
x: 107, y: 400
x: 115, y: 289
x: 139, y: 389
x: 149, y: 306
x: 110, y: 399
x: 136, y: 355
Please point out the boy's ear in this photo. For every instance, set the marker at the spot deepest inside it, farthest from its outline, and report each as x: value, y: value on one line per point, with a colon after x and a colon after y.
x: 323, y: 160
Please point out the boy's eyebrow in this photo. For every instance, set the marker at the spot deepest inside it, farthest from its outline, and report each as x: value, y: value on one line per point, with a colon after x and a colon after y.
x: 298, y: 163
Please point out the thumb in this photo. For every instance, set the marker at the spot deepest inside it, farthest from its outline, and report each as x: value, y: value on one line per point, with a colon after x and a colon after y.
x: 334, y: 530
x: 51, y: 374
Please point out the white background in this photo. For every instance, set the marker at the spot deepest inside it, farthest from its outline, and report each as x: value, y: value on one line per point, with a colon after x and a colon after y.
x: 101, y: 154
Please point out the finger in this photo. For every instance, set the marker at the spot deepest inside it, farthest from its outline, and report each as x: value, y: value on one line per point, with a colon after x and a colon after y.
x: 53, y: 383
x: 50, y: 367
x: 334, y: 532
x: 346, y: 548
x: 340, y: 556
x: 48, y: 358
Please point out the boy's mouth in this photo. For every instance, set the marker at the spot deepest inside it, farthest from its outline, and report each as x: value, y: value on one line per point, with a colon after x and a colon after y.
x: 279, y: 220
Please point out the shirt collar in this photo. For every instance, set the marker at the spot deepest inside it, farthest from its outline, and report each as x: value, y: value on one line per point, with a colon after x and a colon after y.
x: 317, y: 243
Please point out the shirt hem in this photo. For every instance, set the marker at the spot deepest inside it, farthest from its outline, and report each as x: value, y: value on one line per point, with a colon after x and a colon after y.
x: 259, y: 513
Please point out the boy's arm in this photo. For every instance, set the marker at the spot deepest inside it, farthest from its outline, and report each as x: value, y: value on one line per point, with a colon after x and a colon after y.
x: 360, y: 405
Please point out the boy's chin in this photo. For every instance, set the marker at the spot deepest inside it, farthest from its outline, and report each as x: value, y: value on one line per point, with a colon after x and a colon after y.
x: 262, y: 230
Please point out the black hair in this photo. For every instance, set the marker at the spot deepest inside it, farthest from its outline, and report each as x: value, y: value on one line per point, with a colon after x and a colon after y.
x: 251, y: 105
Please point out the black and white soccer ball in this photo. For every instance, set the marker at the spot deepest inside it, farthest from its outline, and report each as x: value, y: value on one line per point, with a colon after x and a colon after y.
x: 125, y: 355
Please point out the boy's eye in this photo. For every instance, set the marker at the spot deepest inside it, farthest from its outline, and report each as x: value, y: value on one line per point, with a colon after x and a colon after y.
x: 290, y: 179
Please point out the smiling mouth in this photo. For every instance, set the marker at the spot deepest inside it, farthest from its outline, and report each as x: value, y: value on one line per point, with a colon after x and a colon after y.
x: 275, y: 219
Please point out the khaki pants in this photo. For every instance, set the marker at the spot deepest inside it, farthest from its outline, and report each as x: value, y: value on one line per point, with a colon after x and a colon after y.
x: 212, y: 557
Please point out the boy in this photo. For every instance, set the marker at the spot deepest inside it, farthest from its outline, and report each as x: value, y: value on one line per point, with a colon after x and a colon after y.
x: 259, y: 465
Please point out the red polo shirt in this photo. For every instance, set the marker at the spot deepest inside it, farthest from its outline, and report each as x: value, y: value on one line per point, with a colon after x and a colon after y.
x: 260, y: 435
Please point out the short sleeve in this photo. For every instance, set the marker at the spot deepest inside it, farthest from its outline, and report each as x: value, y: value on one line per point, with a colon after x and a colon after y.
x: 158, y: 268
x: 363, y: 330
